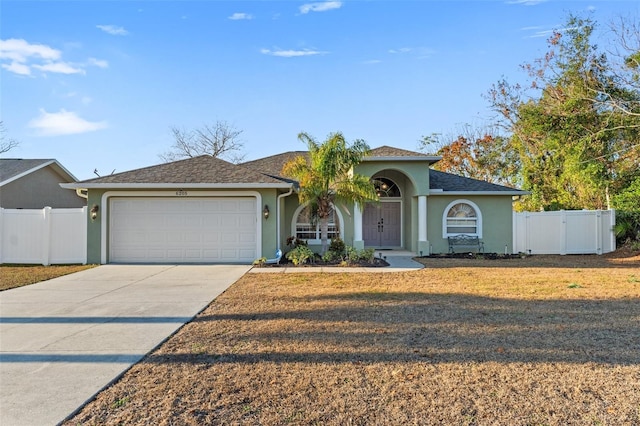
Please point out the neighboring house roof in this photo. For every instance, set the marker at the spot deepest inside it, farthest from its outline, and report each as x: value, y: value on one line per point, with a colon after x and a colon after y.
x: 12, y: 169
x: 450, y: 183
x: 203, y: 171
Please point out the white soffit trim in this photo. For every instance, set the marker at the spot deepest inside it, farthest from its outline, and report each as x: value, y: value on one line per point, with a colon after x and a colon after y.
x: 429, y: 158
x: 435, y: 192
x: 175, y: 185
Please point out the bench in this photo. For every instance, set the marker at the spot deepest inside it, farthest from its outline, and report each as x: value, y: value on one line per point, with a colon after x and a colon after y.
x: 465, y: 241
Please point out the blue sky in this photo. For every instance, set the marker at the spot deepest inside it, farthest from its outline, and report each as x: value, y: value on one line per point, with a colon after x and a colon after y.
x: 99, y: 84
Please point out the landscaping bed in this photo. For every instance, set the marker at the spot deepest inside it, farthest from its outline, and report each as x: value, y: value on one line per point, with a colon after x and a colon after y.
x: 480, y: 344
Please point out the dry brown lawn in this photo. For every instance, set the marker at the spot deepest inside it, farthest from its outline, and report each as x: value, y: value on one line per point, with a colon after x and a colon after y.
x: 12, y: 276
x: 537, y: 341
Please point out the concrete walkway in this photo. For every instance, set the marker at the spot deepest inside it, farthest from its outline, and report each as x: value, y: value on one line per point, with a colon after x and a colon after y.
x: 63, y: 340
x: 399, y: 261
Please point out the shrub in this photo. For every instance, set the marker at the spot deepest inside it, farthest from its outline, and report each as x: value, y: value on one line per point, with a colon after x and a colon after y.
x: 627, y: 227
x: 337, y: 246
x: 331, y: 256
x: 260, y: 261
x: 294, y: 242
x: 367, y: 255
x: 351, y: 254
x: 300, y: 255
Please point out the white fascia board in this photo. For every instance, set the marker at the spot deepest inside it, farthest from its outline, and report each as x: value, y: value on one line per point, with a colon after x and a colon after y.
x: 38, y: 167
x: 431, y: 159
x: 81, y: 185
x: 441, y: 192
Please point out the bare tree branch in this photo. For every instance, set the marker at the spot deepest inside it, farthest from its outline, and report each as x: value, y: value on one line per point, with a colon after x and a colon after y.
x: 6, y: 144
x: 220, y: 140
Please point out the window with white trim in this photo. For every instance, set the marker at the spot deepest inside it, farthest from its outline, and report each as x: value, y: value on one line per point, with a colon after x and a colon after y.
x: 462, y: 217
x: 307, y: 229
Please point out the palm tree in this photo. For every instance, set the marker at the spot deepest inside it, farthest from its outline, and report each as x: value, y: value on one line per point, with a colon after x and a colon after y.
x: 327, y: 176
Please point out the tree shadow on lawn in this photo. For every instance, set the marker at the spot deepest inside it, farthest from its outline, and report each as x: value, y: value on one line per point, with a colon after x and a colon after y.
x: 618, y: 259
x: 366, y: 327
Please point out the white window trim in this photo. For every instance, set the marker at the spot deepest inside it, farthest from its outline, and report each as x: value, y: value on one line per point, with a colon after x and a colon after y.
x: 294, y: 224
x: 478, y: 232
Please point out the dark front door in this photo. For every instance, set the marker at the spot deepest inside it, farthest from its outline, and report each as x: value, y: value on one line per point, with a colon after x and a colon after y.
x: 381, y: 225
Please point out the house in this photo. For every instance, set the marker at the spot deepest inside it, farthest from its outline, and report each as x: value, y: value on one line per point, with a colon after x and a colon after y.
x: 35, y: 184
x: 205, y: 209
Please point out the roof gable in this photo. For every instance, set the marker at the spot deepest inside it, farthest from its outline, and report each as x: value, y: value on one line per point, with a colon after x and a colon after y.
x: 390, y: 151
x: 12, y: 169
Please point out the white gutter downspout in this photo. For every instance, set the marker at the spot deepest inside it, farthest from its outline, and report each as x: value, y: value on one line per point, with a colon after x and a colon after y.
x: 278, y: 210
x: 81, y: 194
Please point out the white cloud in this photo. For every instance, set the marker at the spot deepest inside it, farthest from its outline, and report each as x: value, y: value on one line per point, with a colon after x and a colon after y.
x: 113, y: 30
x: 418, y: 52
x: 17, y: 68
x: 548, y: 33
x: 59, y: 67
x: 291, y: 53
x: 320, y: 6
x: 240, y: 16
x: 98, y: 63
x: 372, y: 62
x: 401, y: 50
x: 20, y: 50
x: 21, y: 57
x: 63, y: 123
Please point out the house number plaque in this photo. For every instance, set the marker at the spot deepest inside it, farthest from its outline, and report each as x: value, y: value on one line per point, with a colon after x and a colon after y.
x: 182, y: 193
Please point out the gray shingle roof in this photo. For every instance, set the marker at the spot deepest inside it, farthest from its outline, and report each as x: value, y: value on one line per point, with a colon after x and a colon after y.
x: 197, y: 170
x: 451, y: 182
x: 273, y: 164
x: 12, y: 168
x: 390, y: 151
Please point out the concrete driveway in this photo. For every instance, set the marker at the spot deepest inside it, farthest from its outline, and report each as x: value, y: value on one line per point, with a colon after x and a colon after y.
x: 63, y: 340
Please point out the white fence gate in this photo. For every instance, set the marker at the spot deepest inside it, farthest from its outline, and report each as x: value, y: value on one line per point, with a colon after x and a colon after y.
x: 47, y: 236
x: 564, y: 232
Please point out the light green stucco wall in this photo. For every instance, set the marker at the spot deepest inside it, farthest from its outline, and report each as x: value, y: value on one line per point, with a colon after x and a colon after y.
x: 94, y: 228
x: 497, y: 229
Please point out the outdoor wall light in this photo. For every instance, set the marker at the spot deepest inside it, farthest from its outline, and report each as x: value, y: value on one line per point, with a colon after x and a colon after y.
x: 94, y: 212
x: 265, y: 212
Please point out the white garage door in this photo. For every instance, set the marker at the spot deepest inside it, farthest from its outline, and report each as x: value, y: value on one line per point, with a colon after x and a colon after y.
x: 184, y: 230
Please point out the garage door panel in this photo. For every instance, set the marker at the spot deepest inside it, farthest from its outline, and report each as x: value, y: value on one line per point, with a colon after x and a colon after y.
x: 178, y: 230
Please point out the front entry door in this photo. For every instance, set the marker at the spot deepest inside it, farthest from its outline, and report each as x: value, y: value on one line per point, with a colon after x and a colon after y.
x: 381, y: 225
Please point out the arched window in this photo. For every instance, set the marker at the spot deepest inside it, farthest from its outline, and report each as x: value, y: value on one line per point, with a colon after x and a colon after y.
x: 386, y: 187
x: 462, y: 217
x: 306, y: 229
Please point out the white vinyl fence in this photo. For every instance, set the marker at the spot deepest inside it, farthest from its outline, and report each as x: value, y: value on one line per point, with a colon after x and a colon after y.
x: 47, y: 236
x: 564, y: 232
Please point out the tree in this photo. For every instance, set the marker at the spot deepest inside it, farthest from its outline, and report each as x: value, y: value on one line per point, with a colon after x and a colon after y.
x: 474, y: 152
x: 327, y: 176
x: 575, y: 146
x: 6, y: 144
x: 220, y: 140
